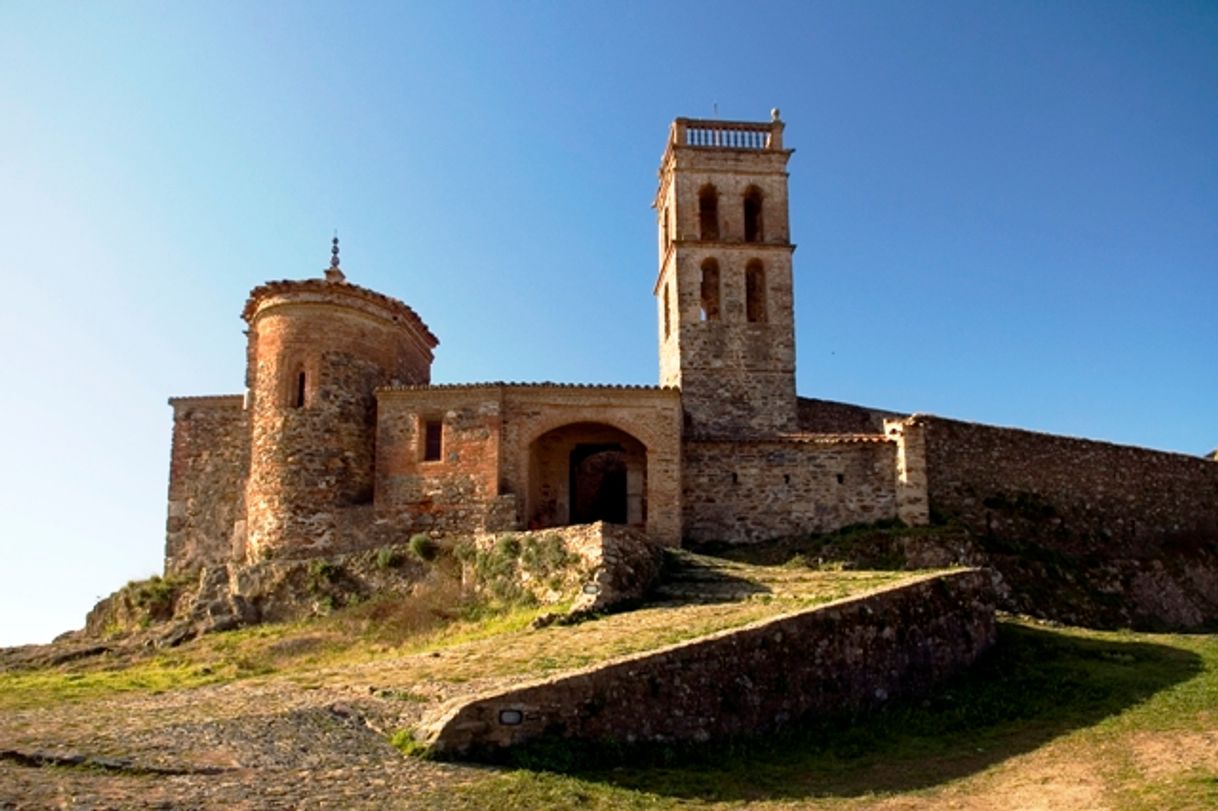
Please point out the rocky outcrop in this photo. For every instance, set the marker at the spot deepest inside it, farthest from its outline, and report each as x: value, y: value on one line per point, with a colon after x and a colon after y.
x: 591, y: 567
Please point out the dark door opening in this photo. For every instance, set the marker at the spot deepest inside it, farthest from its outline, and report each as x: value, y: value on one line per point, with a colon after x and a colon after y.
x: 598, y: 484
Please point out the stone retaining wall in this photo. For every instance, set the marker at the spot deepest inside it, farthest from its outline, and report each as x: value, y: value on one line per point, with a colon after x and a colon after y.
x: 850, y: 655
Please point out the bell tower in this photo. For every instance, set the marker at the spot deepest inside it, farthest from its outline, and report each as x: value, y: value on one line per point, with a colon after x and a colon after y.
x: 724, y: 291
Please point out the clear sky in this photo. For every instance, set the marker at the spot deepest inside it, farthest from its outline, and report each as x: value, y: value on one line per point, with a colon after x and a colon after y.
x: 1006, y: 212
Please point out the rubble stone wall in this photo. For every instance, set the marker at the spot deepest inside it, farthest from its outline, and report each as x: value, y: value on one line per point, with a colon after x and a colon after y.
x: 831, y: 417
x: 208, y: 464
x: 842, y: 657
x: 992, y: 477
x: 748, y: 491
x: 313, y: 455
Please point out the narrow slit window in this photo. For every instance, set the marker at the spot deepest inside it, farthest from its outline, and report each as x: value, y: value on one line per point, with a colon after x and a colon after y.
x: 710, y: 290
x: 754, y: 292
x: 708, y: 212
x: 752, y: 215
x: 667, y: 317
x: 298, y: 400
x: 433, y: 441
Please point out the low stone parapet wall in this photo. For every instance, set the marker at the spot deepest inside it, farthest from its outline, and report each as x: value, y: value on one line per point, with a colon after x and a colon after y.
x: 849, y: 655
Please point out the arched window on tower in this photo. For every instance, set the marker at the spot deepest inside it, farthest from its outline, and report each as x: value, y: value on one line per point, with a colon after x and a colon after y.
x: 708, y: 212
x: 754, y: 292
x: 293, y: 391
x: 752, y: 215
x: 666, y: 236
x: 710, y: 290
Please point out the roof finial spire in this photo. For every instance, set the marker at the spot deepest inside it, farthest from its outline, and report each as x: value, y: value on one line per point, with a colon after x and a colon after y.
x: 334, y: 273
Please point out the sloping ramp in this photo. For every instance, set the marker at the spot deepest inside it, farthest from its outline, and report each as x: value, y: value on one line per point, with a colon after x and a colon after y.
x: 850, y: 654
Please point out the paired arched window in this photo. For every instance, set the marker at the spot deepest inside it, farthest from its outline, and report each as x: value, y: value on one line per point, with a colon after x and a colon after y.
x: 752, y: 215
x: 710, y: 290
x: 708, y: 212
x: 754, y: 292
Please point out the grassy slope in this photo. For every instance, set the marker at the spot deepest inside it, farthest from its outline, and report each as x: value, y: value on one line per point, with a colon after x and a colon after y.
x: 1053, y: 718
x: 425, y: 639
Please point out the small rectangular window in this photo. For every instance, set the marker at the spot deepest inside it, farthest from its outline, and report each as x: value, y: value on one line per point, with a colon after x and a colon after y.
x: 433, y: 441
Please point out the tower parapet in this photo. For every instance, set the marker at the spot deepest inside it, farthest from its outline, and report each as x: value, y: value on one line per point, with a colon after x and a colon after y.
x: 318, y: 349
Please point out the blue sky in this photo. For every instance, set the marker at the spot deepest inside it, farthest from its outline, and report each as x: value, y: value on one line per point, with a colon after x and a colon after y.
x: 1005, y: 212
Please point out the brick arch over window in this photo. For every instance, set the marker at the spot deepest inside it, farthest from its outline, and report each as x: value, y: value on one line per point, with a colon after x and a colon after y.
x: 297, y: 382
x: 753, y: 220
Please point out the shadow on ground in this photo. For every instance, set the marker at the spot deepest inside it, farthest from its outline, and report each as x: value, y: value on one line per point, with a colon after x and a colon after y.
x: 1035, y: 685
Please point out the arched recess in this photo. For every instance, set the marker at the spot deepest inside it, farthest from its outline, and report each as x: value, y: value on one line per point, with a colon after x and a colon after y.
x: 584, y: 472
x: 753, y: 221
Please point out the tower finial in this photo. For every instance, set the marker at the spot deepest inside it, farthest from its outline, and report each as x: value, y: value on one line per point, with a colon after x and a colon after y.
x: 334, y: 273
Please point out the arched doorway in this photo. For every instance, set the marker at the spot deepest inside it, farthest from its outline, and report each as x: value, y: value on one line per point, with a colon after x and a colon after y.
x: 586, y: 472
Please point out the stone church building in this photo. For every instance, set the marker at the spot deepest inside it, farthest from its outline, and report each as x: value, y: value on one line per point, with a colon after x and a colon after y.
x: 341, y: 443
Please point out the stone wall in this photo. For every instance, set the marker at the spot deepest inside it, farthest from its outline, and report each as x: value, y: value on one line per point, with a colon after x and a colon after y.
x: 602, y: 566
x: 747, y: 491
x: 208, y: 464
x: 843, y: 657
x: 1083, y: 532
x: 830, y: 417
x: 987, y: 476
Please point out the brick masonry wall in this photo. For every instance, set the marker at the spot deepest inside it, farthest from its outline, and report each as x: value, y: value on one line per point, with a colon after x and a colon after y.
x: 1123, y: 495
x: 208, y: 464
x: 489, y: 476
x: 846, y: 656
x: 749, y: 491
x: 455, y: 492
x: 649, y: 415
